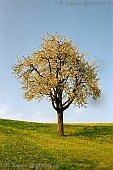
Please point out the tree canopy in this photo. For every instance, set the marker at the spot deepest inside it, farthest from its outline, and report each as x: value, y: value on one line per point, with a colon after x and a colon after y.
x: 58, y: 66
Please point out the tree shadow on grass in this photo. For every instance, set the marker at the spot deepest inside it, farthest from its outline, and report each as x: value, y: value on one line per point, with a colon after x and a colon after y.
x: 89, y: 131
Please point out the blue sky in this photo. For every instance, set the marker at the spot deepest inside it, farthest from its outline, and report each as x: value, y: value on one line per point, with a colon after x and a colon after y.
x: 23, y: 21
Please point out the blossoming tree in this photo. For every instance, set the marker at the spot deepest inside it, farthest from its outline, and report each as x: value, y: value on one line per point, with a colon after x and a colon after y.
x: 58, y: 71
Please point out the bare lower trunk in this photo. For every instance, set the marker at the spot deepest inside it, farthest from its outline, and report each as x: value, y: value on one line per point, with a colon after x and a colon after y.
x: 60, y: 123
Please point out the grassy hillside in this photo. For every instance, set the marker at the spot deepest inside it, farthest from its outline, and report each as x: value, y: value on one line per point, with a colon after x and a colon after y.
x: 26, y: 145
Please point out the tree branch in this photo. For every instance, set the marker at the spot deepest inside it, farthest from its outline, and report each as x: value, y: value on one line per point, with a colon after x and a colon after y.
x: 31, y: 65
x: 52, y: 99
x: 69, y: 103
x: 66, y: 102
x: 49, y: 64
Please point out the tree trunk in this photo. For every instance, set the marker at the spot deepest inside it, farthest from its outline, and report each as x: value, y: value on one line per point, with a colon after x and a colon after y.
x: 60, y: 123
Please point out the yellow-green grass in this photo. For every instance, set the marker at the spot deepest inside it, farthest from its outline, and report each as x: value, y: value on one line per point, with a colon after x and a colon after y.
x: 28, y: 145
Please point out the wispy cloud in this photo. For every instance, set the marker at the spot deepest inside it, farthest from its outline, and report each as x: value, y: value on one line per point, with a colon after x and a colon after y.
x: 4, y: 108
x: 78, y: 111
x: 40, y: 117
x: 6, y: 112
x: 74, y: 115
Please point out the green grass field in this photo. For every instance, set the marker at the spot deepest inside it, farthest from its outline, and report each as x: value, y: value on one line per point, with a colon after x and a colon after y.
x: 26, y: 145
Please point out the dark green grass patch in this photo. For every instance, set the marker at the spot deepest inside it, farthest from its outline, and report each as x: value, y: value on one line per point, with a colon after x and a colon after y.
x: 28, y: 145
